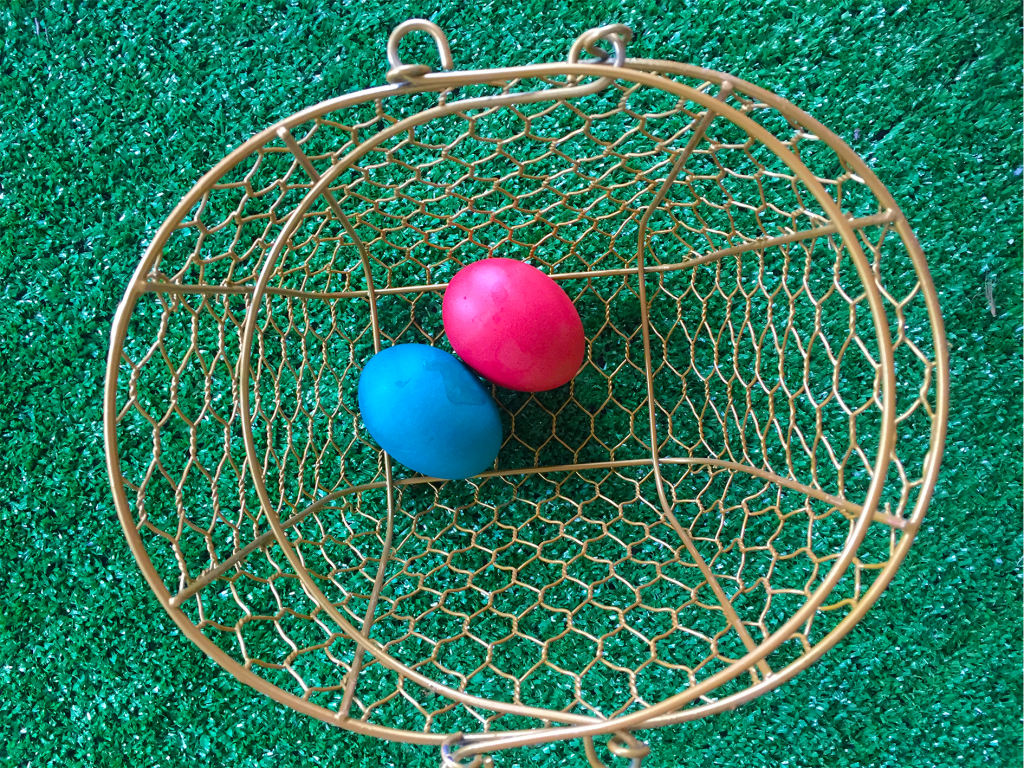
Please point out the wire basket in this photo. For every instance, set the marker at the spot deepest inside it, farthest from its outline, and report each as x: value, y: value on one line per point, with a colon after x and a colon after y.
x: 720, y: 494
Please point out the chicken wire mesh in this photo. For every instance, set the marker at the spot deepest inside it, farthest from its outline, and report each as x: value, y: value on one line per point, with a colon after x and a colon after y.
x: 723, y: 490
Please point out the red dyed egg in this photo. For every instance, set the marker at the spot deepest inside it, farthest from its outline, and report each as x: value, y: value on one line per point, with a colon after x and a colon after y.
x: 513, y: 325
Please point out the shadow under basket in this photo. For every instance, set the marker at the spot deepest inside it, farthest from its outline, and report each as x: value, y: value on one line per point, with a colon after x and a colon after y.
x: 721, y: 493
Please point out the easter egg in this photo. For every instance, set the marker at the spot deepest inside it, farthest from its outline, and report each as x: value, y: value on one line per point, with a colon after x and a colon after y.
x: 429, y: 411
x: 513, y: 325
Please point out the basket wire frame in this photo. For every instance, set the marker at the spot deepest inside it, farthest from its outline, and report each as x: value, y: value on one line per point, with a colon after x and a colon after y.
x: 718, y: 497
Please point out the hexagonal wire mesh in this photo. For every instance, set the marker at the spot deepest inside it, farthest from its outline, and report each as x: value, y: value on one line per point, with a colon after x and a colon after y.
x: 720, y: 494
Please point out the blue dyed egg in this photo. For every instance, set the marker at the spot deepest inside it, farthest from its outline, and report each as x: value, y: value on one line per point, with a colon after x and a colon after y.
x: 429, y: 411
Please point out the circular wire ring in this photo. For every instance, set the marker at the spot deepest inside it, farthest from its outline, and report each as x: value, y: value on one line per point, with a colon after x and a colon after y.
x: 854, y: 540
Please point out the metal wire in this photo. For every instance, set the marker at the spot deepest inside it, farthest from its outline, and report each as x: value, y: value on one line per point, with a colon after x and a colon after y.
x: 722, y: 492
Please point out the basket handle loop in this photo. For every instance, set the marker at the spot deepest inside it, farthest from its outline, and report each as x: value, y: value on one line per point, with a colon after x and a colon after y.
x: 449, y: 758
x: 622, y: 744
x: 399, y: 72
x: 618, y: 35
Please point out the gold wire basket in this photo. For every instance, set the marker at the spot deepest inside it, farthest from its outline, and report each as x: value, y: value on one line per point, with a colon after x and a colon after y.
x: 722, y: 492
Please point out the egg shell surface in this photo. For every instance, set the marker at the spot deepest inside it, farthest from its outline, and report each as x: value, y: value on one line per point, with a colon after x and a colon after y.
x: 514, y: 325
x: 429, y: 411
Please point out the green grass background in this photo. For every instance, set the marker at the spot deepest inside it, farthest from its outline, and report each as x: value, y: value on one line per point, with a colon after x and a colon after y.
x: 111, y: 109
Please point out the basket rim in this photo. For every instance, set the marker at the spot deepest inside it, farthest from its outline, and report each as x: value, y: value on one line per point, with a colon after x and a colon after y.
x: 666, y: 710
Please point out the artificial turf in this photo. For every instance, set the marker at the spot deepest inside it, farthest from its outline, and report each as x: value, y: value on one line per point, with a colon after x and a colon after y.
x: 109, y: 111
